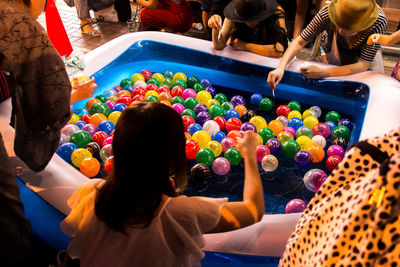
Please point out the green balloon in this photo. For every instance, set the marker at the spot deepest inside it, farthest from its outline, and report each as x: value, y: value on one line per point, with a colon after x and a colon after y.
x: 126, y: 82
x: 198, y: 87
x: 294, y: 105
x: 152, y: 98
x: 166, y: 82
x: 233, y: 155
x: 189, y: 112
x: 192, y: 81
x: 290, y: 148
x: 80, y: 138
x: 177, y: 99
x: 190, y: 102
x: 341, y: 131
x: 153, y: 81
x: 180, y: 83
x: 216, y: 110
x: 169, y: 74
x: 227, y: 106
x: 333, y: 116
x: 221, y: 98
x: 304, y: 130
x: 100, y: 107
x: 205, y: 156
x: 266, y: 134
x: 102, y: 98
x: 266, y: 104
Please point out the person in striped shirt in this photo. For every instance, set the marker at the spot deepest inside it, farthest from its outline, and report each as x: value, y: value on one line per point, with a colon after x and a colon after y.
x: 346, y: 26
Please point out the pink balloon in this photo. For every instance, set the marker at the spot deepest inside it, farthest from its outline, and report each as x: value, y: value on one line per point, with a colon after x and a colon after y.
x: 221, y: 166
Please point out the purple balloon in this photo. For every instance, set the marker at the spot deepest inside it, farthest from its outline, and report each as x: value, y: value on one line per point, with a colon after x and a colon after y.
x: 303, y: 158
x: 110, y: 104
x: 221, y: 166
x: 206, y: 82
x: 211, y: 90
x: 335, y: 150
x: 199, y: 108
x: 314, y: 178
x: 90, y: 128
x: 296, y: 205
x: 117, y: 88
x: 247, y: 126
x: 178, y: 107
x: 238, y: 100
x: 346, y: 122
x: 274, y: 146
x: 202, y: 117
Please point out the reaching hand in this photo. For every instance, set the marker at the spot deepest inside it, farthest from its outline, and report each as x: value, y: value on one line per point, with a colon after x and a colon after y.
x: 379, y: 39
x: 215, y: 22
x: 313, y: 72
x: 238, y: 44
x: 248, y: 143
x: 274, y: 77
x: 373, y: 39
x: 82, y: 90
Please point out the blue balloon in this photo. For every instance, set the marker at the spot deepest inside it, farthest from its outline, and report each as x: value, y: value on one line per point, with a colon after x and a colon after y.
x: 218, y: 136
x: 194, y: 128
x: 106, y: 126
x: 331, y: 125
x: 295, y: 123
x: 80, y: 124
x: 119, y: 107
x: 255, y: 99
x: 128, y: 88
x: 231, y: 114
x: 65, y: 151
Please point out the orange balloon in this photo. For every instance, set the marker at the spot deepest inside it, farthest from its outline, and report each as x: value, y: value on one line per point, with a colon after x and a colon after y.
x: 165, y: 96
x: 276, y: 126
x: 240, y: 109
x: 317, y: 153
x: 91, y: 102
x: 96, y: 118
x: 90, y: 167
x: 188, y: 136
x: 235, y: 135
x: 123, y: 93
x: 165, y: 102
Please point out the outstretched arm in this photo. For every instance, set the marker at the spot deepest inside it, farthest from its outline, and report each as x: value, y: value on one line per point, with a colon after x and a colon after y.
x: 384, y: 39
x: 314, y: 72
x: 263, y: 50
x: 82, y: 90
x: 236, y: 215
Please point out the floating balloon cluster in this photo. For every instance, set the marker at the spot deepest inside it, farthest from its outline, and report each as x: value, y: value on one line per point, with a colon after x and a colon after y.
x: 212, y: 125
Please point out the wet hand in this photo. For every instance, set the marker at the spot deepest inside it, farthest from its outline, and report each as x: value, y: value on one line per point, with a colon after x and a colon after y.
x: 247, y: 143
x: 274, y: 77
x: 313, y: 72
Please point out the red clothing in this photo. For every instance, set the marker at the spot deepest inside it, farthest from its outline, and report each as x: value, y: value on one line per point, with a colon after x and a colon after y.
x: 168, y: 14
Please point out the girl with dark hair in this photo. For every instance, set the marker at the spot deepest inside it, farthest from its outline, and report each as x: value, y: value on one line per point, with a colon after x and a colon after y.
x: 251, y: 25
x: 137, y: 217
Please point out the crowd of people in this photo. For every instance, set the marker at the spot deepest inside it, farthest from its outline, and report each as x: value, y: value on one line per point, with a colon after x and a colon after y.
x: 120, y: 216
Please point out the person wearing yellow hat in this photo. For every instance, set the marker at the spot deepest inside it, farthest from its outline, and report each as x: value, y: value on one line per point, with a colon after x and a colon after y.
x: 257, y: 26
x: 348, y: 24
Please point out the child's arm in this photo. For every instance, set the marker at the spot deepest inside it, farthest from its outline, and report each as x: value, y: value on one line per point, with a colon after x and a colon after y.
x: 384, y: 39
x: 82, y: 90
x: 236, y: 215
x: 220, y: 32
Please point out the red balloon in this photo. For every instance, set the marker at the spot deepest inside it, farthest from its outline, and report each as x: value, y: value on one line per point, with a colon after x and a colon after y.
x: 146, y: 74
x: 221, y: 122
x: 109, y: 164
x: 139, y: 98
x: 125, y: 100
x: 99, y: 137
x: 332, y: 162
x: 151, y: 87
x: 192, y: 147
x: 86, y: 118
x: 187, y: 121
x: 283, y: 110
x: 163, y: 89
x: 233, y: 124
x: 138, y: 91
x: 177, y: 90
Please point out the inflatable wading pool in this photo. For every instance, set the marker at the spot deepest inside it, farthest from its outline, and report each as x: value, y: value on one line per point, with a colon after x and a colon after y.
x: 370, y: 100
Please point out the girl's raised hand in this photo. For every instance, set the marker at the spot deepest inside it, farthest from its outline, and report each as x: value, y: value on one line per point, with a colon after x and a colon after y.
x: 248, y: 143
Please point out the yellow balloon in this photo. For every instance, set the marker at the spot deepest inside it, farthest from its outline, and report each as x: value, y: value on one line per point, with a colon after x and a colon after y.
x: 113, y: 98
x: 259, y: 122
x: 310, y: 121
x: 304, y: 142
x: 179, y: 76
x: 212, y: 102
x: 74, y: 118
x: 137, y: 77
x: 158, y: 76
x: 114, y: 116
x: 215, y: 147
x: 80, y: 154
x: 294, y: 114
x: 307, y: 113
x: 260, y: 140
x: 202, y: 137
x: 149, y: 93
x: 203, y: 97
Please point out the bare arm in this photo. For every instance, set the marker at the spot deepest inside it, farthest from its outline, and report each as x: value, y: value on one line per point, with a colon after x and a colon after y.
x: 236, y: 215
x: 82, y: 90
x: 220, y: 32
x: 151, y: 4
x: 275, y: 76
x: 263, y: 50
x: 384, y: 39
x: 314, y: 72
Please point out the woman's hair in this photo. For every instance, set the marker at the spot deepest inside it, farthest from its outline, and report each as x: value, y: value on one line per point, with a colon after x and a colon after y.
x: 148, y: 148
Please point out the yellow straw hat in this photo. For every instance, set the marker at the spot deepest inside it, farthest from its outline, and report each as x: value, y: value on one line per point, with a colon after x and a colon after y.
x: 353, y: 15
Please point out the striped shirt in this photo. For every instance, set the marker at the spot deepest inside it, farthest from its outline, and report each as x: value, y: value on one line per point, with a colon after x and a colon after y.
x: 4, y: 88
x: 322, y: 22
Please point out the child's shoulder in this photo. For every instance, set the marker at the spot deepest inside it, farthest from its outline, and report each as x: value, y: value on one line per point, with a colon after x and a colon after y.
x: 195, y: 204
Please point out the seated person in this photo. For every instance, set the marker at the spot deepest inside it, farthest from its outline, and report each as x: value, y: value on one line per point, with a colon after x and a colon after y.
x: 168, y: 15
x: 251, y: 25
x: 348, y: 26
